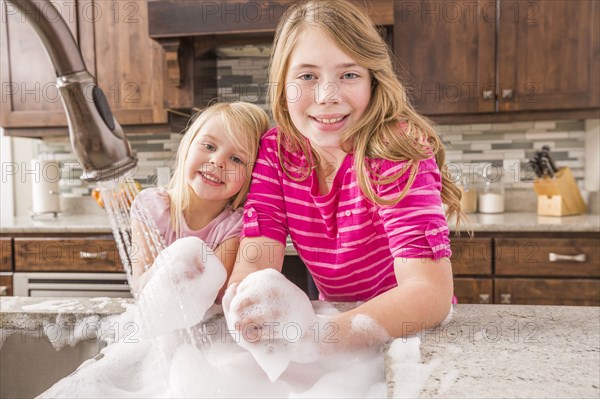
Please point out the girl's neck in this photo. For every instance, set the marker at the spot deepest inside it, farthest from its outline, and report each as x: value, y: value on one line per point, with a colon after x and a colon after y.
x: 201, y: 212
x: 328, y: 166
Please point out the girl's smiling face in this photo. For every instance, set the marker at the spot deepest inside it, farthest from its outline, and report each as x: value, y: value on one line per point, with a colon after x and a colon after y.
x: 214, y: 168
x: 327, y: 92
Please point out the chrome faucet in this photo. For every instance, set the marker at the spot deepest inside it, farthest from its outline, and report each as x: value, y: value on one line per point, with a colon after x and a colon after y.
x: 96, y: 137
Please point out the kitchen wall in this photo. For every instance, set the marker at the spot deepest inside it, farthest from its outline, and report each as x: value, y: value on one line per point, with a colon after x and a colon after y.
x: 243, y: 76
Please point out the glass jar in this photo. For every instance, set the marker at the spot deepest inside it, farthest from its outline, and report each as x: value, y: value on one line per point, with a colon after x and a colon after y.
x: 468, y: 199
x: 491, y: 193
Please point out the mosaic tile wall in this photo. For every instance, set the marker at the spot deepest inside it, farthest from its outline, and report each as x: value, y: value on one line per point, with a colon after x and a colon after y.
x: 242, y: 74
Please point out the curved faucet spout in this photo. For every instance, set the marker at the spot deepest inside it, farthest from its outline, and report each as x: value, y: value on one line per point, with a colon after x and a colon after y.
x: 96, y: 137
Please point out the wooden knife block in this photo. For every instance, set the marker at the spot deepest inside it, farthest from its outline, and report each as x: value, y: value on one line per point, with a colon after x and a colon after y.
x: 559, y: 195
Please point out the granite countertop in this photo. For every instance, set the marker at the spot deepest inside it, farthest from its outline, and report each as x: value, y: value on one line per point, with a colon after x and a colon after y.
x: 485, y: 351
x: 503, y: 222
x: 510, y: 351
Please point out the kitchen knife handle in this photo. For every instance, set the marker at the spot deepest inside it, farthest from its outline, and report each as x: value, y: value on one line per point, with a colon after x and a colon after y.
x: 552, y: 257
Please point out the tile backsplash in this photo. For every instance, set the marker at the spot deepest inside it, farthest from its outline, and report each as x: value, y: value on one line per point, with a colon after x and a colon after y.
x: 242, y: 76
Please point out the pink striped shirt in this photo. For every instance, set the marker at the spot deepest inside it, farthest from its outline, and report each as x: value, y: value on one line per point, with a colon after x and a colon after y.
x: 347, y: 242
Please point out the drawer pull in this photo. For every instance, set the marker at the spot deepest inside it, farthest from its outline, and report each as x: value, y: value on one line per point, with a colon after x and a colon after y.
x: 3, y: 290
x: 505, y: 298
x: 92, y: 255
x: 484, y: 298
x: 557, y: 257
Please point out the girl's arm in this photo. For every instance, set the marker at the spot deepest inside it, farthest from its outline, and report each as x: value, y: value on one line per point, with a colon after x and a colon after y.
x: 227, y: 252
x: 257, y: 253
x: 141, y: 255
x: 421, y: 300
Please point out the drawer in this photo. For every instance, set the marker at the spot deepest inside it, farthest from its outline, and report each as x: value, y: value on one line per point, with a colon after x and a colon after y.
x: 80, y: 254
x: 474, y: 290
x: 574, y: 292
x: 471, y: 257
x: 6, y: 254
x: 552, y: 257
x: 6, y: 284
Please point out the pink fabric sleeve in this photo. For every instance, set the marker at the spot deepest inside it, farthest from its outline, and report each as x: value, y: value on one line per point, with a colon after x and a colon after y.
x: 152, y: 202
x: 264, y: 211
x: 416, y: 226
x: 233, y: 225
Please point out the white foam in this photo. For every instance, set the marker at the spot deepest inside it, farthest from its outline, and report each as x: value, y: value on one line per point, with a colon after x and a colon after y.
x: 187, y: 278
x: 409, y: 374
x: 205, y: 360
x: 284, y: 315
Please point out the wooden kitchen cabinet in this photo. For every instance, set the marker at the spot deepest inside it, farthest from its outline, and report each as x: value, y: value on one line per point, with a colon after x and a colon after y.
x: 6, y: 254
x: 549, y: 271
x: 113, y: 39
x: 547, y: 257
x: 472, y: 269
x: 29, y: 94
x: 474, y: 290
x: 499, y: 60
x: 6, y: 284
x: 67, y: 254
x: 538, y: 291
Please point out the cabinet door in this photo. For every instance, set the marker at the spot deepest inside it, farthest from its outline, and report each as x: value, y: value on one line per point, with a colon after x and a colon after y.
x: 6, y: 285
x: 550, y: 257
x: 446, y: 52
x: 65, y: 254
x: 474, y: 290
x: 471, y: 257
x: 548, y: 55
x: 29, y: 94
x: 576, y: 292
x: 129, y: 65
x: 6, y: 254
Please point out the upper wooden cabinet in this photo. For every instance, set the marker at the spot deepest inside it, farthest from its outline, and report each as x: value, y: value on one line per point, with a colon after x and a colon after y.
x: 497, y: 56
x: 113, y: 39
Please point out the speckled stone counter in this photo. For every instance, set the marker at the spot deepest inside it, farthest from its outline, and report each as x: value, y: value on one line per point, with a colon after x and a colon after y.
x: 485, y: 351
x: 531, y: 222
x: 502, y: 351
x: 62, y: 224
x: 479, y: 222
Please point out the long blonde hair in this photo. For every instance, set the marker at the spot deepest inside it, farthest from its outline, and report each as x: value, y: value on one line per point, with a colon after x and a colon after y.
x: 245, y: 124
x: 376, y: 135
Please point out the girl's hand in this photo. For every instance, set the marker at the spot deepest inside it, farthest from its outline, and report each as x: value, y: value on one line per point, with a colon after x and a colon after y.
x: 272, y: 318
x: 186, y: 280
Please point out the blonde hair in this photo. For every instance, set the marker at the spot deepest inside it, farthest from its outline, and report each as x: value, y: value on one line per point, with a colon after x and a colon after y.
x: 245, y: 124
x: 376, y: 135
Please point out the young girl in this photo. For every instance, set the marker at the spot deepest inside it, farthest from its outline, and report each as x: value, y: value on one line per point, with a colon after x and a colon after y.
x: 205, y: 195
x: 352, y: 173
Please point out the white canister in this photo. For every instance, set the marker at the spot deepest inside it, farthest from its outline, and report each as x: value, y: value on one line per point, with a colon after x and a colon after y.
x: 44, y: 186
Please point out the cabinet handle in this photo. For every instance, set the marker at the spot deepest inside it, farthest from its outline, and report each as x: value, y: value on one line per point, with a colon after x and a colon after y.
x: 484, y: 298
x: 488, y: 95
x: 552, y: 257
x: 508, y: 94
x: 92, y: 255
x: 505, y: 298
x: 3, y: 290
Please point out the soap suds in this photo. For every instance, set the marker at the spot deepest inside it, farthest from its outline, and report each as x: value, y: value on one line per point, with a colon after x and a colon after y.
x: 175, y: 343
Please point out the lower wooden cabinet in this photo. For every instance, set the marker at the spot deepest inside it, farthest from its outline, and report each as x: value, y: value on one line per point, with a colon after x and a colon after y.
x: 526, y: 269
x: 474, y: 290
x: 67, y: 254
x: 6, y: 284
x: 6, y: 254
x: 538, y: 291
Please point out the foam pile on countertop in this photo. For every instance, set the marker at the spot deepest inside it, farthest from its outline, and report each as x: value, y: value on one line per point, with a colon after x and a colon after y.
x: 210, y: 359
